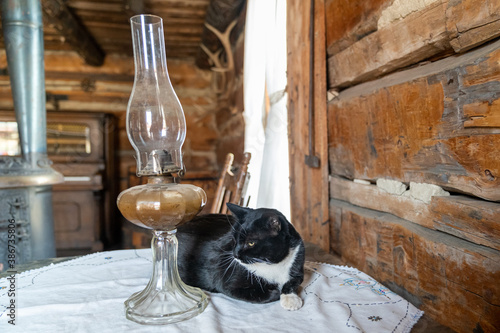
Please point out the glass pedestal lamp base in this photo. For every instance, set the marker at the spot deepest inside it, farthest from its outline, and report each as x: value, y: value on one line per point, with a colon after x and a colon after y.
x: 164, y: 307
x: 166, y: 299
x: 156, y: 127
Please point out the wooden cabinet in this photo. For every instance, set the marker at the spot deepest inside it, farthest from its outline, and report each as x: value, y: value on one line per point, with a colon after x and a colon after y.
x: 77, y: 221
x: 81, y: 148
x: 80, y: 145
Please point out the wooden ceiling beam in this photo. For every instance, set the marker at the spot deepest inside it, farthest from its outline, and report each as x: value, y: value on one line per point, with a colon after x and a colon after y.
x: 61, y: 19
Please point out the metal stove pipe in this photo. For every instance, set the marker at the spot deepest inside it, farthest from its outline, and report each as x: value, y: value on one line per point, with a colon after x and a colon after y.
x: 28, y: 178
x: 23, y: 33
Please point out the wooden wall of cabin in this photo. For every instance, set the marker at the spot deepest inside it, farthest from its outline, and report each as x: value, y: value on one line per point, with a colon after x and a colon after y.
x: 71, y: 85
x: 214, y: 127
x: 412, y: 93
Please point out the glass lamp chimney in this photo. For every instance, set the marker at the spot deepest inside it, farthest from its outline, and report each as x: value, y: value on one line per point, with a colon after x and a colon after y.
x: 156, y: 126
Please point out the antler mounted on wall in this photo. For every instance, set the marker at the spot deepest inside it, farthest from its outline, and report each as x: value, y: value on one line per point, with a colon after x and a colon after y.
x: 222, y: 62
x: 224, y: 24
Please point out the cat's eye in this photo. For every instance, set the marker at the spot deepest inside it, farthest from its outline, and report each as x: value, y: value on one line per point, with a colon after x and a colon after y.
x: 251, y: 244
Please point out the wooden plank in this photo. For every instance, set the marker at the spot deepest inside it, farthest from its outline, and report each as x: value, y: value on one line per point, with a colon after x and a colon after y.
x: 439, y: 28
x: 349, y: 21
x: 402, y: 43
x: 117, y: 69
x: 97, y: 15
x: 308, y: 186
x: 181, y: 3
x: 478, y: 221
x: 472, y: 22
x: 454, y: 281
x: 471, y: 219
x: 101, y: 6
x: 70, y: 62
x: 482, y: 114
x: 409, y: 126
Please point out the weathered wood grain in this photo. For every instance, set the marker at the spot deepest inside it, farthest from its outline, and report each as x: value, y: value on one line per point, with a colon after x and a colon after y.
x: 410, y: 126
x: 482, y: 114
x: 349, y: 21
x: 440, y: 28
x: 308, y: 186
x: 71, y: 84
x: 183, y: 21
x: 60, y: 18
x: 454, y: 281
x: 472, y: 22
x: 400, y: 44
x: 471, y: 219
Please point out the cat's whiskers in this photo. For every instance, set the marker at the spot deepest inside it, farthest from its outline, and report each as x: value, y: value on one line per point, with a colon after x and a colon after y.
x: 264, y: 261
x: 229, y: 221
x: 249, y: 276
x: 258, y: 279
x: 259, y: 282
x: 232, y: 262
x: 227, y: 262
x: 227, y: 257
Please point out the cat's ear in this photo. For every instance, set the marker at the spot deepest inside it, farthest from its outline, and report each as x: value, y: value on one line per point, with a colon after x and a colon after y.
x: 238, y: 211
x: 275, y: 224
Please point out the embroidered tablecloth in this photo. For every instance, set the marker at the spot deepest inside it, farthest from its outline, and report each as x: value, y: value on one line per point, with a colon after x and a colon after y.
x: 87, y: 294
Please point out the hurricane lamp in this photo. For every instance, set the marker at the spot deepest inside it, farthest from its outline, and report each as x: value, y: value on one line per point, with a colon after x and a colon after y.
x: 156, y: 128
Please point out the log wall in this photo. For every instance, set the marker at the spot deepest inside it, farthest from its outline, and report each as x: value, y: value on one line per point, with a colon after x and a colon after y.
x: 71, y: 85
x: 418, y: 102
x: 454, y: 281
x: 401, y: 33
x: 437, y: 123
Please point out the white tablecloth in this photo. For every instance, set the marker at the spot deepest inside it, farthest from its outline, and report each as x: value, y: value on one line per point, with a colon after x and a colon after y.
x: 87, y: 295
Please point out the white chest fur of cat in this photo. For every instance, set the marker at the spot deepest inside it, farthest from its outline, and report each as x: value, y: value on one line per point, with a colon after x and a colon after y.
x: 279, y: 274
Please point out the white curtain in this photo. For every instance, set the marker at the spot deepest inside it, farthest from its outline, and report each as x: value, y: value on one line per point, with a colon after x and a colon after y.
x: 265, y: 66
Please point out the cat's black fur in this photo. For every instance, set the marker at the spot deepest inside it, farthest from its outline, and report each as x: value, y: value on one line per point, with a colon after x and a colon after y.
x: 209, y: 244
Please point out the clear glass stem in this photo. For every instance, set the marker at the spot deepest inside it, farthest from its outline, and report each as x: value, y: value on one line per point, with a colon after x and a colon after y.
x: 166, y: 299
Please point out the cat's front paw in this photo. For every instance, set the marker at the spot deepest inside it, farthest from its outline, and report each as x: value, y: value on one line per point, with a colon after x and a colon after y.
x: 290, y: 302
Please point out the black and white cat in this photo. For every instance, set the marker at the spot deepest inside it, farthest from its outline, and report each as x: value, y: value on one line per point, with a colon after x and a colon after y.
x: 255, y: 255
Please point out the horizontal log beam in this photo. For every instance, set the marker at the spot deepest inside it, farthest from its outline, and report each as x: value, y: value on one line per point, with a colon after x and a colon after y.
x: 59, y: 17
x: 71, y: 84
x: 400, y: 44
x: 347, y: 23
x: 454, y: 281
x: 416, y: 126
x: 471, y: 219
x: 385, y: 45
x: 471, y: 23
